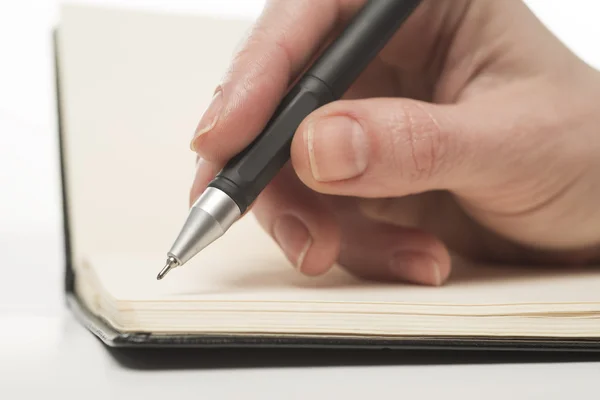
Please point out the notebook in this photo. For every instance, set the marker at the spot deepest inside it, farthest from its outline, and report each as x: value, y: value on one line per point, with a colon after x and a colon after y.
x: 132, y: 86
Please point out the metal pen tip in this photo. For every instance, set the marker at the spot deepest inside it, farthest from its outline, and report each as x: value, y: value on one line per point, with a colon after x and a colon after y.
x: 171, y: 263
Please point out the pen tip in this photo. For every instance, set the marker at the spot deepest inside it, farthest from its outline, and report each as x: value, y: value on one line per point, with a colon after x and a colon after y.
x: 171, y: 263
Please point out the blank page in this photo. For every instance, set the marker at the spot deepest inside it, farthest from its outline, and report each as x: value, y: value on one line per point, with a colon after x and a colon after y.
x: 134, y: 85
x: 246, y: 265
x: 242, y: 283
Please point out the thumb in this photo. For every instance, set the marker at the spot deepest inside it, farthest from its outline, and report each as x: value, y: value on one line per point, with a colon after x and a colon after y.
x: 382, y: 147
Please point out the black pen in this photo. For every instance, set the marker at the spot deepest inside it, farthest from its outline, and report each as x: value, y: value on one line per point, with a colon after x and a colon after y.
x: 240, y: 182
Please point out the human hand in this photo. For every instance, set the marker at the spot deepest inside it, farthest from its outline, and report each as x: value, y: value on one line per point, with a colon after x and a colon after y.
x: 474, y: 132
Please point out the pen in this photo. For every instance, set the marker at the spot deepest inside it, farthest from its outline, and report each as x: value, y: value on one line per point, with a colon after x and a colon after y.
x: 242, y: 179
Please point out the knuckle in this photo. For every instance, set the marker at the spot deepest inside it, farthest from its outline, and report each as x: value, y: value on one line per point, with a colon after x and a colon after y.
x: 419, y: 145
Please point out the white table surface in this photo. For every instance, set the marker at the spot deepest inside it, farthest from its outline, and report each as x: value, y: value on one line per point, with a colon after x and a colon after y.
x: 44, y: 351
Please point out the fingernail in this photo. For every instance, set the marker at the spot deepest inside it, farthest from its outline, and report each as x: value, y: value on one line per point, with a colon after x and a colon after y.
x: 293, y: 237
x: 417, y: 268
x: 210, y: 117
x: 337, y: 149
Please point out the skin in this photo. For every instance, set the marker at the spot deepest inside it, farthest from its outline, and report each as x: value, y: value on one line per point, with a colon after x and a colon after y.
x: 474, y: 133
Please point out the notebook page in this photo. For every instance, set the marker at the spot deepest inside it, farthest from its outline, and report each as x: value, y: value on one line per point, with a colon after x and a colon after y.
x: 134, y: 85
x: 246, y: 265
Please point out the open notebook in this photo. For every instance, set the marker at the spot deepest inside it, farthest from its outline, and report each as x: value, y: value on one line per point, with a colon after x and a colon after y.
x: 132, y: 87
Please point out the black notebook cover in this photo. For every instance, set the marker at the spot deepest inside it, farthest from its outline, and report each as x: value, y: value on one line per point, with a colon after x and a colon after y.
x: 114, y: 338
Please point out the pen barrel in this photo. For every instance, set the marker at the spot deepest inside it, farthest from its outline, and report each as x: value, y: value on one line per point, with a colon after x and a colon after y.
x: 363, y: 38
x: 249, y: 172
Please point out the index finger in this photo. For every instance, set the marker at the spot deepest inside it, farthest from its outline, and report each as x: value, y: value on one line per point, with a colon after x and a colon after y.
x: 282, y: 41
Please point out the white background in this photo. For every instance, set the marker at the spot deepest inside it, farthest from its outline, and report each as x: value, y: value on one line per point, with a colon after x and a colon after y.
x: 31, y: 248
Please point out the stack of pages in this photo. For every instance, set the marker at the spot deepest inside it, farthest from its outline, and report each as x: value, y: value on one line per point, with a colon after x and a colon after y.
x: 242, y: 284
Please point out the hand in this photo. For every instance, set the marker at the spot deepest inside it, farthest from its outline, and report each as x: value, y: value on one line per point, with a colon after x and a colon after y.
x: 474, y: 132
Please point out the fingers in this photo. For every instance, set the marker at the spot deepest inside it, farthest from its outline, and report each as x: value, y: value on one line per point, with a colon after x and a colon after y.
x: 388, y: 253
x: 437, y: 213
x: 381, y: 148
x: 315, y: 235
x: 279, y: 46
x: 300, y: 223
